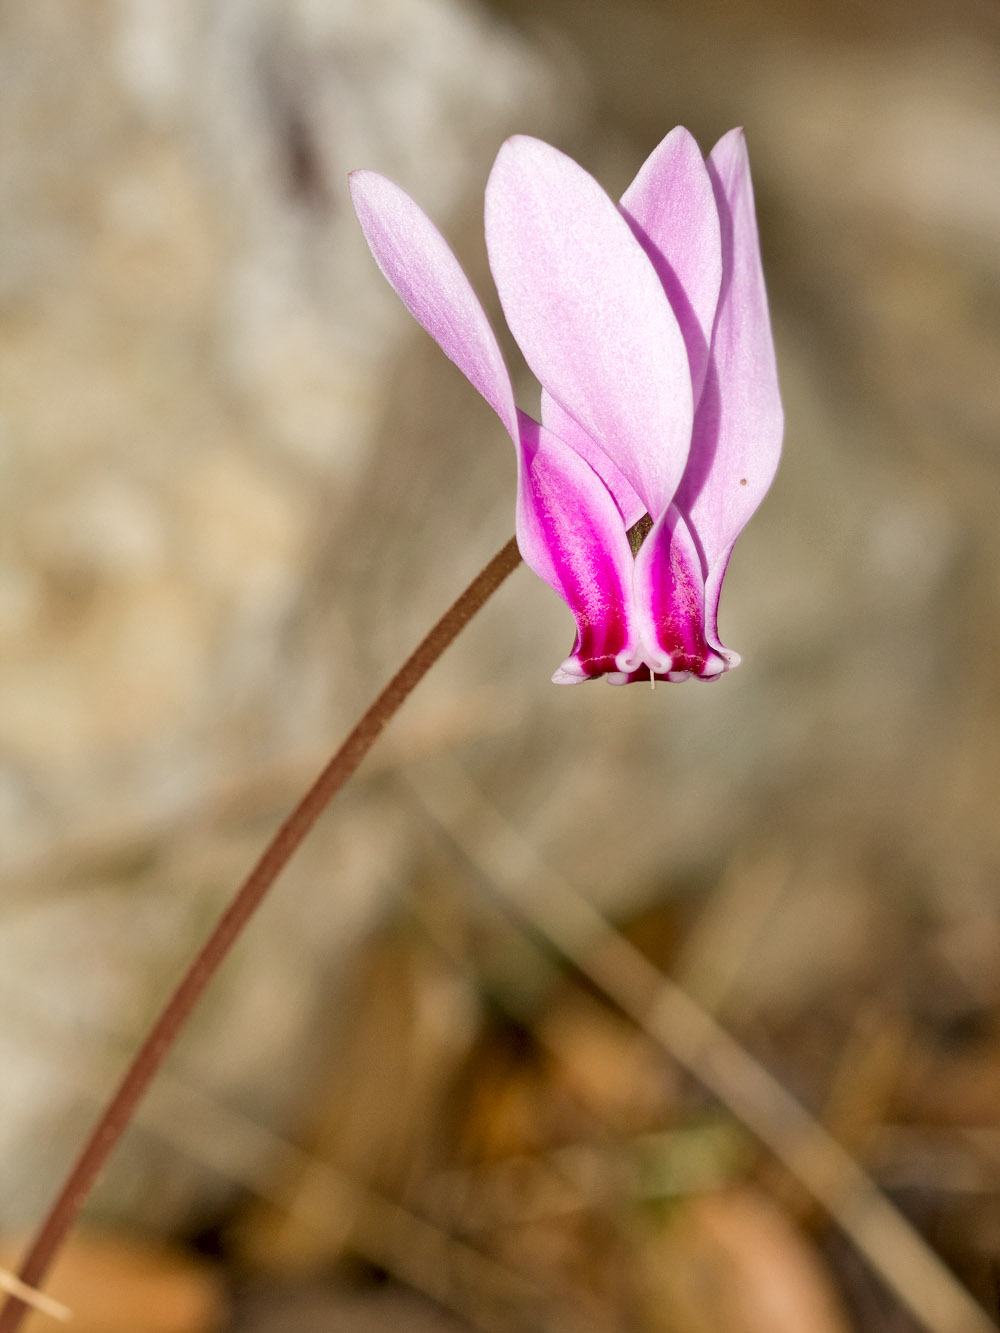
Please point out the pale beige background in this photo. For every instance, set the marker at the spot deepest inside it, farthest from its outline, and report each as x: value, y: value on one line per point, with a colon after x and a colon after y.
x: 236, y: 484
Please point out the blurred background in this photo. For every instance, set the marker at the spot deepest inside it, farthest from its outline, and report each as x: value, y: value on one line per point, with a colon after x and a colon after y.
x: 236, y: 485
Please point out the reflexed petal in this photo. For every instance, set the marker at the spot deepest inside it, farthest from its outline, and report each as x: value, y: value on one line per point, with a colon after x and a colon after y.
x: 570, y: 533
x: 670, y: 602
x: 672, y: 210
x: 559, y: 421
x: 738, y: 427
x: 418, y: 263
x: 590, y: 314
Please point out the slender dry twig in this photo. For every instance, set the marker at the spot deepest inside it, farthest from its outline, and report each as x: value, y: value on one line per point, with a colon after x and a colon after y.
x: 248, y: 897
x: 553, y: 907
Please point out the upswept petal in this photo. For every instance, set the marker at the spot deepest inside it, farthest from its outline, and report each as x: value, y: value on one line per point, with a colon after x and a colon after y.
x: 670, y: 603
x: 570, y: 532
x: 738, y: 426
x: 419, y: 264
x: 590, y: 314
x: 569, y: 528
x: 672, y: 211
x: 559, y: 421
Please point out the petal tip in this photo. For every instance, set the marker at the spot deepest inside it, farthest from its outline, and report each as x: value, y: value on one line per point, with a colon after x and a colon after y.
x: 524, y: 143
x: 569, y: 673
x: 360, y: 180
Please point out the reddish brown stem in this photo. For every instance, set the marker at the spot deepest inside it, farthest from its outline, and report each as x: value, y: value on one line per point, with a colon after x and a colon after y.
x: 150, y: 1056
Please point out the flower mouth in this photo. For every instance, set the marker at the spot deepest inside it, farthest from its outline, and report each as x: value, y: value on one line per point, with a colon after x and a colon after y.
x: 643, y: 664
x: 652, y: 657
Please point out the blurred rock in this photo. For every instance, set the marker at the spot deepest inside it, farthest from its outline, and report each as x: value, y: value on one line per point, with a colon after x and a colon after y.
x: 193, y: 341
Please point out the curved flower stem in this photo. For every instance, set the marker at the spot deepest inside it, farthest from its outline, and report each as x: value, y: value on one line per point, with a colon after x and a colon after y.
x: 150, y: 1056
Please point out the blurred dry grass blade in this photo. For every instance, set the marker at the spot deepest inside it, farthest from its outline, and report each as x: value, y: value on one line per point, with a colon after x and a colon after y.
x: 38, y: 1300
x: 727, y: 928
x: 691, y: 1036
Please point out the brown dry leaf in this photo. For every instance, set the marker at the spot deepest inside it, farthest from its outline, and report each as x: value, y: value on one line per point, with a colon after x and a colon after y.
x: 955, y: 1087
x: 577, y: 1260
x: 733, y: 1261
x: 375, y: 1105
x: 613, y: 1069
x: 116, y: 1284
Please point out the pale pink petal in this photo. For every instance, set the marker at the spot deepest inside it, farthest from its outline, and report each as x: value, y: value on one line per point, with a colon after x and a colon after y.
x: 671, y: 208
x: 570, y: 532
x: 418, y: 263
x: 590, y: 314
x: 559, y: 421
x: 670, y: 603
x: 739, y: 423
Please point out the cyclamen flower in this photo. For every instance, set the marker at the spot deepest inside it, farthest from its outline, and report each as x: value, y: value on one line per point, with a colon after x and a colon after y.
x: 646, y: 324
